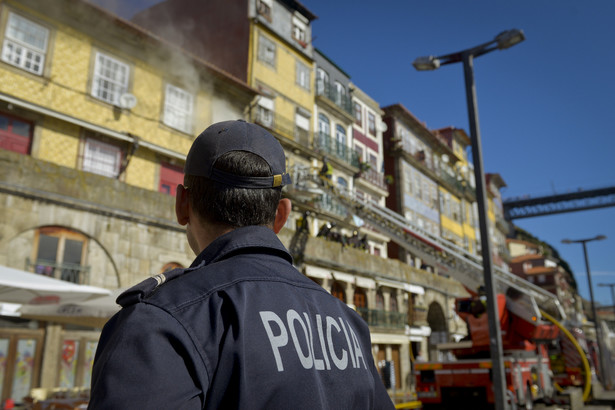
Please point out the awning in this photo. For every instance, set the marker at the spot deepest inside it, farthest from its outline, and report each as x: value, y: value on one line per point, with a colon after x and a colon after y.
x: 17, y: 286
x: 418, y: 290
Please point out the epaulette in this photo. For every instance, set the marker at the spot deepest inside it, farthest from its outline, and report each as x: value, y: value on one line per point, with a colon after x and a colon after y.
x: 146, y: 288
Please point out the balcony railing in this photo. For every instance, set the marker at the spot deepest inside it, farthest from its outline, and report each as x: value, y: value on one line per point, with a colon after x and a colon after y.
x: 331, y: 147
x: 281, y: 125
x: 381, y: 318
x: 329, y: 204
x: 68, y: 272
x: 374, y: 177
x: 325, y: 89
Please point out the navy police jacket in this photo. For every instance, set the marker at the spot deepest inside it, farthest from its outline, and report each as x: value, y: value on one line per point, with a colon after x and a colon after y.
x: 240, y: 328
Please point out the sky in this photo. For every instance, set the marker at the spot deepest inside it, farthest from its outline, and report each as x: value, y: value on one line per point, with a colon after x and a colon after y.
x: 545, y: 105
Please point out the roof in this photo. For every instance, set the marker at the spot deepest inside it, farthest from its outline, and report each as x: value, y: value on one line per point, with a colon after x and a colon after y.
x: 452, y: 132
x: 400, y: 108
x: 526, y: 257
x: 496, y: 179
x: 538, y: 270
x: 522, y: 242
x: 294, y: 4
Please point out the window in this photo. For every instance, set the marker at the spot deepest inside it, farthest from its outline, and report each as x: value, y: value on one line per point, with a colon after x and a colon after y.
x: 300, y: 29
x: 303, y: 75
x: 59, y: 253
x: 101, y: 158
x: 178, y: 109
x: 371, y: 123
x: 322, y: 81
x: 15, y: 134
x: 264, y: 112
x: 360, y: 298
x: 358, y: 114
x: 340, y: 136
x: 340, y: 93
x: 266, y: 50
x: 170, y: 177
x: 337, y: 290
x: 393, y: 302
x: 324, y: 126
x: 379, y: 300
x: 263, y: 8
x: 302, y: 128
x: 25, y: 44
x: 359, y: 150
x: 76, y: 362
x: 110, y: 78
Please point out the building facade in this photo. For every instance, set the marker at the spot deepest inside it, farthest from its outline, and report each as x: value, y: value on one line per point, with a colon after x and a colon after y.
x: 96, y: 117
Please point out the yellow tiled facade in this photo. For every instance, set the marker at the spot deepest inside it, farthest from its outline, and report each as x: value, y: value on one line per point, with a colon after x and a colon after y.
x: 65, y: 88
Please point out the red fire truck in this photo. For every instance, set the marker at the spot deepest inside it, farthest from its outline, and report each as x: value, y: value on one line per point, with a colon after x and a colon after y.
x: 524, y: 338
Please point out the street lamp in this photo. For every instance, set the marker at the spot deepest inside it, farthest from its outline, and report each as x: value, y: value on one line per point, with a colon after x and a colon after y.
x: 502, y: 41
x: 591, y: 295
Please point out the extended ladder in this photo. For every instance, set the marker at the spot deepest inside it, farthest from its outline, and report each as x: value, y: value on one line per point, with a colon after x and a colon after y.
x: 449, y: 258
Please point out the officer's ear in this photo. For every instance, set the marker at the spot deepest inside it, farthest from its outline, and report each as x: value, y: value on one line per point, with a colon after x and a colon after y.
x: 281, y: 214
x: 182, y: 205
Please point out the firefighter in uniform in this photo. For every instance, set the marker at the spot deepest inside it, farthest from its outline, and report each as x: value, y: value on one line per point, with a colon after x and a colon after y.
x: 241, y: 327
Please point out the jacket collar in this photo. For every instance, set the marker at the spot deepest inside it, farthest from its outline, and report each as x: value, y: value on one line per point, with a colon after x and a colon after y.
x: 241, y: 238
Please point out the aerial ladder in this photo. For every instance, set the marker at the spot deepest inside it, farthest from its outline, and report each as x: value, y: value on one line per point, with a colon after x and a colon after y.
x: 449, y: 258
x: 533, y: 308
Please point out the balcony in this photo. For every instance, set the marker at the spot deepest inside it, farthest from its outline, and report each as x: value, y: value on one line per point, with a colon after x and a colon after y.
x: 375, y: 178
x: 381, y: 318
x: 324, y: 89
x: 68, y: 272
x: 327, y: 203
x: 333, y: 148
x: 281, y: 126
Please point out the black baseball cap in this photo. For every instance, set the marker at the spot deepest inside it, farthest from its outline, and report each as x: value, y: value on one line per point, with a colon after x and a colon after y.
x: 227, y: 136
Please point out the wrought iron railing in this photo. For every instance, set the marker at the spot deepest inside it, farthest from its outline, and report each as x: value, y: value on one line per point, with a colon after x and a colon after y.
x: 331, y: 147
x: 69, y: 272
x: 382, y: 318
x: 374, y: 177
x: 329, y: 204
x: 342, y: 100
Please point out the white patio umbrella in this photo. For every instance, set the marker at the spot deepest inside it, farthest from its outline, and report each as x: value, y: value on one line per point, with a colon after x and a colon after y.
x: 17, y: 286
x: 92, y: 313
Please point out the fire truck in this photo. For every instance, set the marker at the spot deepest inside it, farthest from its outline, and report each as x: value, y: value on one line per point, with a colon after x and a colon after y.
x: 527, y: 315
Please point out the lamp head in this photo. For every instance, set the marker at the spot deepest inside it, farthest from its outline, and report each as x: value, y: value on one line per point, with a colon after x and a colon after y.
x: 566, y: 241
x: 509, y: 38
x: 600, y: 237
x: 426, y: 63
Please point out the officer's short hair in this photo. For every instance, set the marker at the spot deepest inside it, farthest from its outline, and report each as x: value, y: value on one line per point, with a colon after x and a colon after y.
x: 220, y: 203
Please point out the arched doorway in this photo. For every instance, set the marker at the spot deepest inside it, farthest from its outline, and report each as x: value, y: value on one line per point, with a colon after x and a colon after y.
x: 439, y: 330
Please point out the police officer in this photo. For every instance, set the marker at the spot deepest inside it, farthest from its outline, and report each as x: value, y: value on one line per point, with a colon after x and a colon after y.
x: 241, y: 327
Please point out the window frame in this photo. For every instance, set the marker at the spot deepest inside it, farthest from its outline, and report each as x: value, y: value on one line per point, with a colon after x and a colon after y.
x: 8, y: 135
x: 264, y: 54
x: 371, y: 123
x: 63, y: 234
x: 9, y: 40
x: 117, y: 87
x: 302, y: 75
x: 90, y: 167
x: 358, y: 114
x: 175, y: 116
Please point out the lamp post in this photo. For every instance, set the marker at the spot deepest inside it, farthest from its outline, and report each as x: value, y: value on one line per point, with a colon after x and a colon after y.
x: 502, y: 41
x: 591, y: 295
